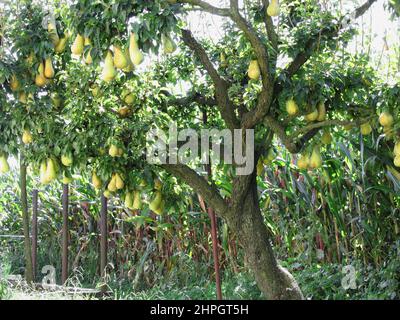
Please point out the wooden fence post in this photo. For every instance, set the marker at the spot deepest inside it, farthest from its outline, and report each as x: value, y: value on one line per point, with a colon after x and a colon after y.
x: 35, y: 194
x: 103, y: 238
x: 65, y: 234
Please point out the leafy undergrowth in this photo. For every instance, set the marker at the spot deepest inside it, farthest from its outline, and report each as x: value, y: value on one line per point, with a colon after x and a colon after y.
x: 318, y: 282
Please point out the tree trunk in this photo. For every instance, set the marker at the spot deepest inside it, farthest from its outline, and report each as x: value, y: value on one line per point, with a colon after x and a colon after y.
x: 25, y: 222
x: 274, y: 281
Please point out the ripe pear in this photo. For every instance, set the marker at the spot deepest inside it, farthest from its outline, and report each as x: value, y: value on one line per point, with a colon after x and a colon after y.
x: 96, y: 181
x: 112, y: 187
x: 312, y: 116
x: 14, y: 83
x: 120, y: 60
x: 160, y: 208
x: 109, y: 73
x: 48, y: 69
x: 95, y: 90
x: 51, y: 172
x: 124, y: 111
x: 321, y: 111
x: 43, y: 170
x: 366, y: 129
x: 119, y: 183
x: 88, y: 56
x: 135, y: 54
x: 129, y: 99
x: 52, y: 29
x: 291, y: 107
x: 396, y: 149
x: 155, y: 203
x: 128, y: 200
x: 27, y: 137
x: 4, y: 167
x: 386, y: 119
x: 222, y: 58
x: 78, y: 45
x: 137, y: 201
x: 316, y: 160
x: 66, y: 160
x: 303, y: 162
x: 254, y: 70
x: 107, y: 194
x: 326, y: 137
x: 168, y: 44
x: 396, y: 161
x: 113, y: 151
x: 22, y: 97
x: 40, y: 79
x: 61, y: 45
x: 273, y: 8
x: 157, y: 184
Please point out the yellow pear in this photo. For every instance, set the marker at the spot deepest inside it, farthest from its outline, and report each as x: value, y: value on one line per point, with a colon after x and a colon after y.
x: 88, y: 55
x: 321, y: 111
x: 396, y: 161
x: 52, y: 29
x: 120, y: 60
x: 27, y: 137
x: 43, y: 170
x: 107, y: 194
x: 155, y: 204
x: 135, y: 54
x: 129, y: 99
x: 109, y: 73
x: 157, y: 184
x: 40, y: 79
x: 316, y: 160
x: 223, y: 61
x: 96, y: 181
x: 113, y: 151
x: 312, y: 116
x: 137, y: 201
x: 273, y: 8
x: 168, y: 44
x: 386, y: 119
x: 66, y: 160
x: 124, y: 111
x: 51, y: 172
x: 95, y: 90
x: 396, y: 149
x: 67, y: 178
x: 303, y: 162
x: 254, y: 70
x: 78, y: 45
x: 291, y: 107
x: 366, y: 129
x: 4, y: 167
x: 60, y: 47
x: 160, y: 208
x: 48, y: 69
x: 14, y: 83
x: 119, y: 183
x: 128, y: 200
x: 130, y: 67
x: 326, y: 137
x: 112, y: 187
x: 22, y: 97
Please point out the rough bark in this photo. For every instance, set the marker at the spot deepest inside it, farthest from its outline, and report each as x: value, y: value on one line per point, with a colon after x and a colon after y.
x: 274, y: 281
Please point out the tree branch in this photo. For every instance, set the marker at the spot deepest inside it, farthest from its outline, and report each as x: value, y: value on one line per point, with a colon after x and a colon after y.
x: 272, y: 35
x: 207, y: 7
x: 201, y: 186
x: 221, y: 85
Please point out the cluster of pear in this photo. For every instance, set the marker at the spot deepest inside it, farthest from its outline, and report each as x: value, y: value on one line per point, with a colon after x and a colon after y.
x: 265, y: 160
x: 4, y: 167
x: 317, y: 114
x: 115, y: 151
x: 313, y: 161
x: 116, y: 183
